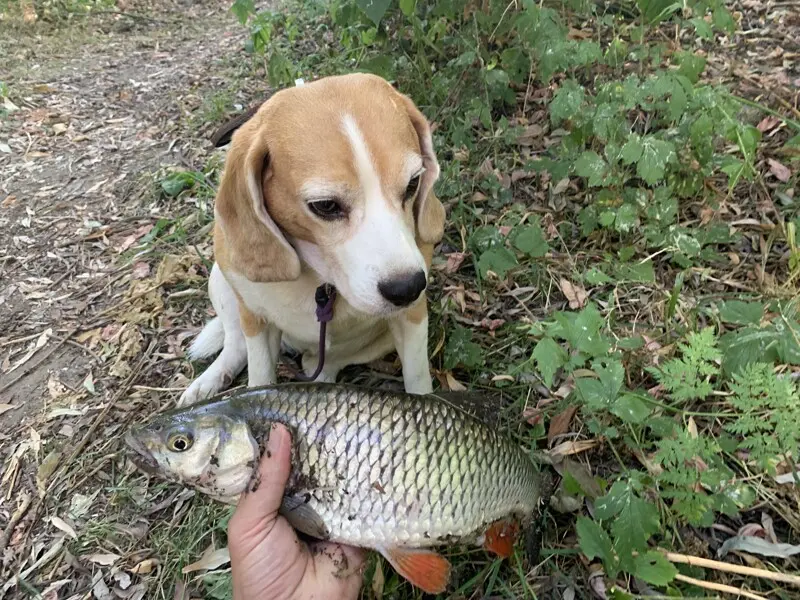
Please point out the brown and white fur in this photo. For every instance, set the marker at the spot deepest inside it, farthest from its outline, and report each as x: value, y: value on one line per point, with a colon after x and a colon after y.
x: 349, y: 146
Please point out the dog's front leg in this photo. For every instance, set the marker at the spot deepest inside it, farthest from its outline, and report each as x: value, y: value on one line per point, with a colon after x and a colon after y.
x: 410, y: 333
x: 263, y: 340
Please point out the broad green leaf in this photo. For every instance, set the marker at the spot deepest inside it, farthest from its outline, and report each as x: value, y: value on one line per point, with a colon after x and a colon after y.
x: 748, y: 345
x: 691, y: 65
x: 407, y: 6
x: 175, y: 183
x: 636, y: 272
x: 592, y: 166
x: 631, y: 409
x: 374, y: 9
x: 594, y: 541
x: 461, y: 350
x: 655, y: 155
x: 634, y: 519
x: 626, y: 218
x: 601, y: 393
x: 243, y: 9
x: 596, y: 276
x: 499, y: 260
x: 703, y: 29
x: 550, y: 357
x: 632, y: 150
x: 657, y: 10
x: 686, y: 243
x: 567, y: 101
x: 530, y: 240
x: 741, y: 313
x: 724, y: 20
x: 654, y: 568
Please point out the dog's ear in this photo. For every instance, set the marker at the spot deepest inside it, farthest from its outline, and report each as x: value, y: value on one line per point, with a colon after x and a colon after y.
x: 428, y: 210
x: 257, y: 247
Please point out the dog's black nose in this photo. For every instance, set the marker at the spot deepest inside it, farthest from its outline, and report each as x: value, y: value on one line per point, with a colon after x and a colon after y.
x: 402, y: 291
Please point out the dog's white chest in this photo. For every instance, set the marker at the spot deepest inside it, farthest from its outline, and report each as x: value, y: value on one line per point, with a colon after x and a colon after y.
x: 291, y: 307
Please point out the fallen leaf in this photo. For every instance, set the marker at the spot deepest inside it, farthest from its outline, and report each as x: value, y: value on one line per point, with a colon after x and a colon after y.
x: 104, y: 559
x: 575, y: 293
x: 88, y: 383
x: 5, y: 148
x: 145, y: 567
x: 692, y: 428
x: 45, y: 470
x: 453, y: 384
x: 529, y: 134
x: 757, y: 545
x: 209, y: 561
x: 59, y: 128
x: 80, y: 504
x: 567, y: 448
x: 61, y: 524
x: 140, y: 270
x: 768, y: 123
x: 780, y: 171
x: 100, y: 590
x: 40, y: 342
x: 561, y: 422
x: 123, y: 580
x: 454, y: 262
x: 9, y: 200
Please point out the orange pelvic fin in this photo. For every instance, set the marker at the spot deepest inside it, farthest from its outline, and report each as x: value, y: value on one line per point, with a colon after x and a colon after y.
x: 425, y: 569
x: 500, y: 537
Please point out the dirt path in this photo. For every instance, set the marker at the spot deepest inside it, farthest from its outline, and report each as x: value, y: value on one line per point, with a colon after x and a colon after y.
x: 101, y: 273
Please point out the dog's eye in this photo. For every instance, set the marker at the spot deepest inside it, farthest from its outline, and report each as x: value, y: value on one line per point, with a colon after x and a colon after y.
x: 327, y: 209
x: 412, y: 188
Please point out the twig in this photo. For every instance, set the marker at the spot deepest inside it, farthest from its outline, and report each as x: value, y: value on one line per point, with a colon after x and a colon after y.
x: 719, y: 587
x: 34, y: 366
x: 14, y: 521
x: 696, y: 561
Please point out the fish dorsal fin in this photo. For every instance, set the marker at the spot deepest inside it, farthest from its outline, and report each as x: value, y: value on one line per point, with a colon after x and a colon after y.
x: 425, y: 569
x: 479, y: 406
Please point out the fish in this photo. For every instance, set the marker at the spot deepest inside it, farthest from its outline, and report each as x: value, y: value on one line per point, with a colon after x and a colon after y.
x: 393, y: 472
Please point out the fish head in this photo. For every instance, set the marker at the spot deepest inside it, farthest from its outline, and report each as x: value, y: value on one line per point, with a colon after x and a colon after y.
x: 213, y: 453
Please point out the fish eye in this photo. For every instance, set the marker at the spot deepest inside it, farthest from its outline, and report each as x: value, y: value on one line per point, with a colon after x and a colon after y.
x: 180, y: 442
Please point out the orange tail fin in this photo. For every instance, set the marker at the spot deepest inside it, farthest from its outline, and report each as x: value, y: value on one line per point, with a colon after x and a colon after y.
x: 500, y: 537
x: 425, y: 569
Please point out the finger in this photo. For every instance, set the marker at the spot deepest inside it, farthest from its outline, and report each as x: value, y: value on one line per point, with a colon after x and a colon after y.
x: 264, y: 493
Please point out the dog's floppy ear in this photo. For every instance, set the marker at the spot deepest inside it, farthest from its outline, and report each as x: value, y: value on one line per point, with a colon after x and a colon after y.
x: 428, y: 210
x: 255, y: 245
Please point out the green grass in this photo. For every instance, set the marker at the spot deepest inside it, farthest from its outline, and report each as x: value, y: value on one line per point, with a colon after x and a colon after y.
x: 627, y: 252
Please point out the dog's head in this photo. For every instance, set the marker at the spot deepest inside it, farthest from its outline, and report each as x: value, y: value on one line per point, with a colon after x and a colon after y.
x: 336, y: 176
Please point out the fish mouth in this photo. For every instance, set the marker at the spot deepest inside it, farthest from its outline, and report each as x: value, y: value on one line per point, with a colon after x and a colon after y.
x: 140, y: 455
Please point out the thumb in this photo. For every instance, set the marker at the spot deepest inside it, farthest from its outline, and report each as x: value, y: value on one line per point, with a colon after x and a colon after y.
x: 262, y: 498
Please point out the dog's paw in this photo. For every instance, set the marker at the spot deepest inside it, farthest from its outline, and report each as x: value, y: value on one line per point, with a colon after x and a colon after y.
x: 203, y: 388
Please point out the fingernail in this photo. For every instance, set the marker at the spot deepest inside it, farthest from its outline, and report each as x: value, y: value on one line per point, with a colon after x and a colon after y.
x: 276, y: 434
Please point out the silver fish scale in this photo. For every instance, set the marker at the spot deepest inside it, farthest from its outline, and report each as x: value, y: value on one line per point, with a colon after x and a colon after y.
x: 386, y: 468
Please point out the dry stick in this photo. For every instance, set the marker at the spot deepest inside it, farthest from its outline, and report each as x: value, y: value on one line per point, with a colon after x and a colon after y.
x: 696, y: 561
x: 41, y: 360
x: 12, y: 523
x: 719, y: 587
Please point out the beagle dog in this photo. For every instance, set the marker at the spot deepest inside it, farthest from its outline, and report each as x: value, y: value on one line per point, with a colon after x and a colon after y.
x: 329, y: 182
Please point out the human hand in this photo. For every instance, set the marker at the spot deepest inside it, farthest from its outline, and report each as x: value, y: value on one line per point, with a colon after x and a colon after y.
x: 268, y: 561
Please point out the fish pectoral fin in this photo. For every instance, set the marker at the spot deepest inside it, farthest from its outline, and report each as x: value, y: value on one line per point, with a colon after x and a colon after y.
x: 500, y: 537
x: 425, y: 569
x: 302, y: 517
